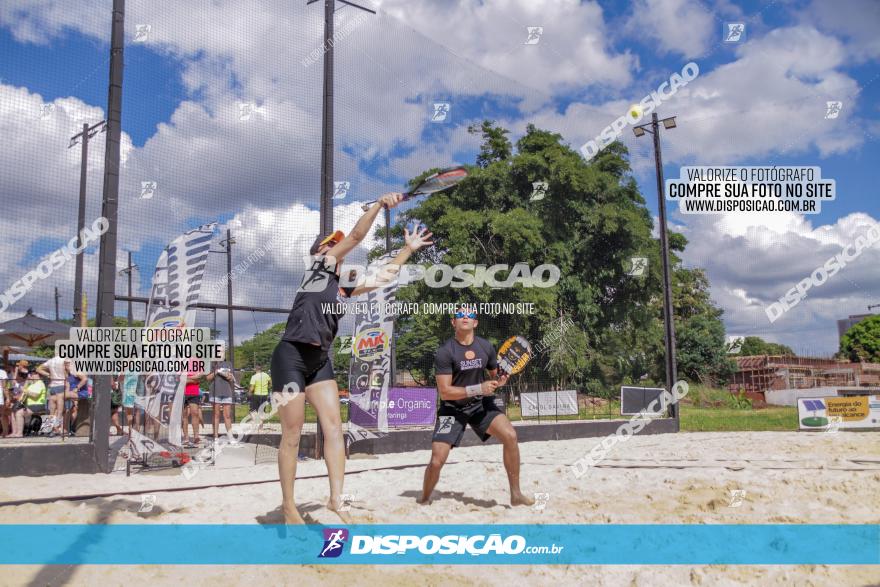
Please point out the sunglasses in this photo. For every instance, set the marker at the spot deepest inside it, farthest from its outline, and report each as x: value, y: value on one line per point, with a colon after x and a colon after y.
x: 471, y: 315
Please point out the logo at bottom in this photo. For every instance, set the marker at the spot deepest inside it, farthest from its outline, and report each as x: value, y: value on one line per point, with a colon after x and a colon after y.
x: 334, y: 541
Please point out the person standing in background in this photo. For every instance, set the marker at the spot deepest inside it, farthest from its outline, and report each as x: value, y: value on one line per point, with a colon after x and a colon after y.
x: 192, y: 409
x: 53, y: 370
x: 5, y: 404
x: 259, y: 387
x: 222, y: 394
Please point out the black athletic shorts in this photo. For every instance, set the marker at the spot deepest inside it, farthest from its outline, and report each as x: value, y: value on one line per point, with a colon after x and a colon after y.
x: 452, y: 420
x: 300, y: 363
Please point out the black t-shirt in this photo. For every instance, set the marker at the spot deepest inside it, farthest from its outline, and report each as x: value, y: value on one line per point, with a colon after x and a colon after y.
x: 466, y: 363
x: 314, y: 318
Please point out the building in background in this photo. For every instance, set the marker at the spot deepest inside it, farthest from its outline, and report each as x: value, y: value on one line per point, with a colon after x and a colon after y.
x: 847, y: 323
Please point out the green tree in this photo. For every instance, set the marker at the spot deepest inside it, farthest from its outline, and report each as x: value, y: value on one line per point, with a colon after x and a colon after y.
x: 701, y: 352
x: 258, y: 350
x: 862, y: 341
x: 755, y: 345
x: 589, y: 225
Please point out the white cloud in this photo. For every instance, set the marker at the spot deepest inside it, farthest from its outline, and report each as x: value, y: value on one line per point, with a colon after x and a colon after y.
x: 856, y: 20
x: 685, y: 27
x: 753, y: 259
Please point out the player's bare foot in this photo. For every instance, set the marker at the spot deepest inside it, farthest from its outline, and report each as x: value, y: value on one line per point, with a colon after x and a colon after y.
x: 341, y: 510
x: 517, y: 498
x: 291, y: 516
x: 424, y: 500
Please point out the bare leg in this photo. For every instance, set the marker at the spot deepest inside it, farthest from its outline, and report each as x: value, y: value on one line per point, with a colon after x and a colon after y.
x: 56, y: 410
x: 195, y: 413
x: 227, y: 418
x: 324, y: 396
x: 183, y: 423
x: 502, y: 429
x: 292, y: 415
x: 439, y: 454
x: 18, y: 423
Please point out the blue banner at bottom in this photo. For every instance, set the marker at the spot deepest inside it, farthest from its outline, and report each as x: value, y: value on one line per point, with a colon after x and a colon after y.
x: 636, y: 544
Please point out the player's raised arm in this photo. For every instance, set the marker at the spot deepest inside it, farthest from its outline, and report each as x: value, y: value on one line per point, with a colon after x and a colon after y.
x: 362, y: 229
x: 388, y: 273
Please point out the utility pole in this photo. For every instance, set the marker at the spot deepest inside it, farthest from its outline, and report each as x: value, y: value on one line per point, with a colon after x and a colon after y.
x: 87, y: 133
x: 99, y: 432
x: 669, y: 326
x: 57, y: 297
x: 127, y: 271
x: 227, y: 250
x: 327, y: 118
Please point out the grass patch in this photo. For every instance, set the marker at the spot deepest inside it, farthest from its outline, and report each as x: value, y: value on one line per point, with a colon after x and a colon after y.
x: 311, y: 416
x: 695, y: 419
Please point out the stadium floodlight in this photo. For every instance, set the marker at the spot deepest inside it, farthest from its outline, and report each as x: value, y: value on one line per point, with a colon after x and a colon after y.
x: 669, y: 325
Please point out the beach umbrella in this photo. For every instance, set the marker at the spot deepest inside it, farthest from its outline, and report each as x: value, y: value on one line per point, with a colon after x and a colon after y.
x: 31, y: 330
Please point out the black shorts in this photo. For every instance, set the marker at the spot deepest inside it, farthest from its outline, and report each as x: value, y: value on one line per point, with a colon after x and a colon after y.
x: 192, y: 399
x: 299, y: 363
x: 452, y: 420
x: 257, y: 400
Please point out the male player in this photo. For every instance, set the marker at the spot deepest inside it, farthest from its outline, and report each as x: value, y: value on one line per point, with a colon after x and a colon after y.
x: 466, y: 397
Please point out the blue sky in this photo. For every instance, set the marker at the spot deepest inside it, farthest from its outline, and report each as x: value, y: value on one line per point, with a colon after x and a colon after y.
x: 758, y: 102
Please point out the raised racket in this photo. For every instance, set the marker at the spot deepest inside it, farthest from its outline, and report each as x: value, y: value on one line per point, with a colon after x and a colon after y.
x: 513, y: 355
x: 442, y: 180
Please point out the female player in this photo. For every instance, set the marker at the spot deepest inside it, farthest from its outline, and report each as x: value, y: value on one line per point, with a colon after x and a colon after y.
x: 302, y: 357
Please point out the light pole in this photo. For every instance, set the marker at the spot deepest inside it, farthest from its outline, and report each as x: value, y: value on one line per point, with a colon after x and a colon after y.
x: 326, y: 210
x: 227, y: 250
x: 87, y: 133
x: 671, y: 368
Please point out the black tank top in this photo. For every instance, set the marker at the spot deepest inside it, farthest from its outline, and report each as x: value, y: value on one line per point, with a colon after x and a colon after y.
x: 314, y: 318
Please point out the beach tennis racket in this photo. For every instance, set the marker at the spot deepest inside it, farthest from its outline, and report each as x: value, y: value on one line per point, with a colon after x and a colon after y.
x: 442, y: 180
x: 514, y: 354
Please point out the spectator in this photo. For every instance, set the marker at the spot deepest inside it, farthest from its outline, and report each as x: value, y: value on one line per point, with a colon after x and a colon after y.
x: 54, y: 371
x: 260, y: 385
x: 128, y: 384
x: 75, y: 388
x: 5, y: 405
x: 35, y: 394
x: 222, y: 393
x: 115, y: 403
x: 18, y: 405
x: 192, y: 411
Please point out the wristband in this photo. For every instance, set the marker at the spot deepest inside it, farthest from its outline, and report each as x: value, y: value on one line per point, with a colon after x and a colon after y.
x: 474, y: 390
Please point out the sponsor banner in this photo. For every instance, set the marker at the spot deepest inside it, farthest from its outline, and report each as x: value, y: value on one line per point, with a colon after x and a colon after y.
x: 839, y: 412
x: 459, y: 544
x: 407, y: 406
x: 549, y: 403
x: 175, y: 287
x: 369, y: 375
